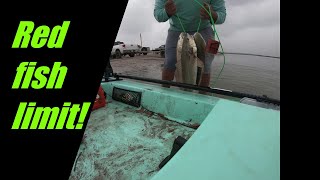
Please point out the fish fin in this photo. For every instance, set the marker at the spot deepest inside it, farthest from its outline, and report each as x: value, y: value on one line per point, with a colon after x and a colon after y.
x: 200, y: 68
x: 200, y: 63
x: 201, y: 46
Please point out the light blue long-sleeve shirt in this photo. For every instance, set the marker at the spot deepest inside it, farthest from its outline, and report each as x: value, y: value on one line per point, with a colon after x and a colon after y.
x: 189, y: 14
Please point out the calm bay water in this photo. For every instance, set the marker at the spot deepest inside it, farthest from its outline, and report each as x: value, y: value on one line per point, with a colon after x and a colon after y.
x: 246, y: 74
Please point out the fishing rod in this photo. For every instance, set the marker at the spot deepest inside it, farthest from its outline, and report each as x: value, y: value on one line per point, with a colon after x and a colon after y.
x: 249, y: 54
x: 200, y: 88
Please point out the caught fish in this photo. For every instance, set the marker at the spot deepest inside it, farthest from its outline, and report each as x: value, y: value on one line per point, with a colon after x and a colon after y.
x: 201, y: 48
x: 189, y: 67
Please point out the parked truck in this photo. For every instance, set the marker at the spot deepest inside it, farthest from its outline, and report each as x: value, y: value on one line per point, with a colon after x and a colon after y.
x: 160, y: 50
x: 144, y: 50
x: 121, y: 49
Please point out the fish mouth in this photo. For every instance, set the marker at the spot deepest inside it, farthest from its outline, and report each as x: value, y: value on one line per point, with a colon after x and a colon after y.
x: 184, y: 36
x: 191, y: 51
x: 185, y: 44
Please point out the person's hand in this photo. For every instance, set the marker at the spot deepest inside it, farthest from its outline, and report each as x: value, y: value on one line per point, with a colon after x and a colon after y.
x: 204, y: 14
x: 170, y: 8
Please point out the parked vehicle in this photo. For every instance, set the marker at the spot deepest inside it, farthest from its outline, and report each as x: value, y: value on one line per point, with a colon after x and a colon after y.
x: 144, y: 50
x: 161, y: 50
x: 117, y: 49
x: 121, y: 49
x: 131, y: 49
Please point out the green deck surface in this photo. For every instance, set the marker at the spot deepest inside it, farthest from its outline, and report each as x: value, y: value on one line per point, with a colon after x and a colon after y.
x: 184, y: 107
x: 124, y: 143
x: 234, y: 141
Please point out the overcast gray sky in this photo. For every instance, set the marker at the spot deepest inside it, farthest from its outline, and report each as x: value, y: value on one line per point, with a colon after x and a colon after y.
x: 251, y: 26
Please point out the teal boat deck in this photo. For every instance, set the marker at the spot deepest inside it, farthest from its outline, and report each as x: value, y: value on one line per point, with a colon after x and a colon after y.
x: 124, y: 142
x: 234, y: 141
x: 242, y: 144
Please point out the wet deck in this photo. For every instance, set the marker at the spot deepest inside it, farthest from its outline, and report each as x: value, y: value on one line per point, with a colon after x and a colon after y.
x: 123, y: 142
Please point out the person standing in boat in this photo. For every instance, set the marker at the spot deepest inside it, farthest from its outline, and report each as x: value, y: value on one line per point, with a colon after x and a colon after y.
x: 189, y: 12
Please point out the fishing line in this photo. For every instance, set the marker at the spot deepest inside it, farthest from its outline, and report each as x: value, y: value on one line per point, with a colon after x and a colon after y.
x: 181, y: 23
x: 199, y: 25
x: 183, y: 26
x: 214, y: 33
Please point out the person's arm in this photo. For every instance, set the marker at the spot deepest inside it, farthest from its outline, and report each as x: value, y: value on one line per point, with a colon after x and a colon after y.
x: 159, y: 12
x: 220, y: 13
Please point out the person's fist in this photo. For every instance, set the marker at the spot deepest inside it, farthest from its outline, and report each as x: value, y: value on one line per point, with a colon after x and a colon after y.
x: 204, y: 14
x: 170, y: 8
